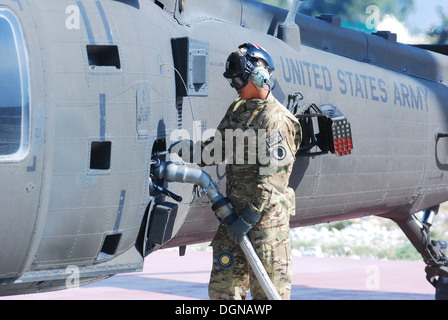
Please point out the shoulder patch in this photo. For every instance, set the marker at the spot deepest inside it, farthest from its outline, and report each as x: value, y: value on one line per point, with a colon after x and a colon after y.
x: 274, y: 139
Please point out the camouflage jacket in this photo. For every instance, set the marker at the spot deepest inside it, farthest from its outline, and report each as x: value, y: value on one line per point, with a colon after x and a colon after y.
x: 263, y: 138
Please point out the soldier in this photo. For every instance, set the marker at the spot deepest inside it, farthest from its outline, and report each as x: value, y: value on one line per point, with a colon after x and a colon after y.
x: 258, y: 189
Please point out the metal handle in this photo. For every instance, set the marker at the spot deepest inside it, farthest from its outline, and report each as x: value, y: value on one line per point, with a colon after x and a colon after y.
x: 259, y: 270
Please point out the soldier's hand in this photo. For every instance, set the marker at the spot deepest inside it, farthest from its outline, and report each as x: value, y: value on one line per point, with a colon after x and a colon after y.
x: 241, y: 226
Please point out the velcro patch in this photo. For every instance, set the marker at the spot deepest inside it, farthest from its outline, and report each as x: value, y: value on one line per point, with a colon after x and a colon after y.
x: 274, y: 139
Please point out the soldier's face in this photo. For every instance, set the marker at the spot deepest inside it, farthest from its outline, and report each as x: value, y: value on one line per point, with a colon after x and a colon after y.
x: 249, y: 91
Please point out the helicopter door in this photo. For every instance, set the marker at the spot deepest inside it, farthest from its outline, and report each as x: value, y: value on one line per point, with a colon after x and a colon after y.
x: 20, y: 175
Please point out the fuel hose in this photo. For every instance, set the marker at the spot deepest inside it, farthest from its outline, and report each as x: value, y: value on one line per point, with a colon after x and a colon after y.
x: 223, y: 209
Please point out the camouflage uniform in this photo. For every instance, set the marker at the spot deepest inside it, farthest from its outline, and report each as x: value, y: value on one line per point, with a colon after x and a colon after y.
x: 266, y: 192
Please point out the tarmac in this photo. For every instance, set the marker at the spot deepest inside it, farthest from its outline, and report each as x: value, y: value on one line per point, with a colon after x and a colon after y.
x: 168, y: 276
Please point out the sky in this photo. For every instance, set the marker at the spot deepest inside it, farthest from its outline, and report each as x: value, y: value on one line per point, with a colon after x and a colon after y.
x: 418, y: 22
x: 425, y: 14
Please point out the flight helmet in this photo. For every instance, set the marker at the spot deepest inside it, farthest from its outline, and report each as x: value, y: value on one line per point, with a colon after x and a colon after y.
x: 249, y: 62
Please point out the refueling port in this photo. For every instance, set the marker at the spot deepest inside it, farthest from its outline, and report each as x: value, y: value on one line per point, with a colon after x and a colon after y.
x: 161, y: 213
x: 156, y: 157
x: 157, y: 184
x: 142, y: 243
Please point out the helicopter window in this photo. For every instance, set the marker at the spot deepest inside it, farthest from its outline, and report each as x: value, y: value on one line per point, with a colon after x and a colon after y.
x: 14, y: 91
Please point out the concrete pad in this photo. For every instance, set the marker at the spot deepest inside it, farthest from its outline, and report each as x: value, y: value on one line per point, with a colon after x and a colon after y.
x: 167, y: 276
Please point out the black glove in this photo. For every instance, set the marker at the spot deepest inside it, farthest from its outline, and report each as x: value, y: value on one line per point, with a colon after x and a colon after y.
x: 241, y: 226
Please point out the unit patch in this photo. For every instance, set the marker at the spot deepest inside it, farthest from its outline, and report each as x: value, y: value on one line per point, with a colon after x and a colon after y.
x: 225, y: 260
x: 279, y: 153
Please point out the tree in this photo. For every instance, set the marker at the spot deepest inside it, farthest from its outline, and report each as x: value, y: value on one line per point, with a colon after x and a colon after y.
x: 439, y: 34
x: 355, y: 10
x: 352, y: 12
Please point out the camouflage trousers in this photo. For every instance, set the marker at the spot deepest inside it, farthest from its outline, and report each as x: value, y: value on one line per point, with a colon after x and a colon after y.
x: 274, y: 250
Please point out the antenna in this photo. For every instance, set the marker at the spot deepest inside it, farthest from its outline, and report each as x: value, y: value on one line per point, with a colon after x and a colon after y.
x: 291, y: 17
x: 289, y: 31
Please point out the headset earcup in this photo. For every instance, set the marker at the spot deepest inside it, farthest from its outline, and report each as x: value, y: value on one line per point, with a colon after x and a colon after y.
x: 260, y: 77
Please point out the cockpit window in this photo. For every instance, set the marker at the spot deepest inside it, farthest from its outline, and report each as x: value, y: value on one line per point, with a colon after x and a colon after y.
x: 14, y: 90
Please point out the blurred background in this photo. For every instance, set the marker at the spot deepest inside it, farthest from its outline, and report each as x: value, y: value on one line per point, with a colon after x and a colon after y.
x: 414, y: 21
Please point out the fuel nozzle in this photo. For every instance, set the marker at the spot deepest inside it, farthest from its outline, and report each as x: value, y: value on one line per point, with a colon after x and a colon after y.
x: 188, y: 173
x: 155, y: 185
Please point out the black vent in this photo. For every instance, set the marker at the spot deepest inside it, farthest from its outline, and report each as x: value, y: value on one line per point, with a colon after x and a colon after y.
x: 103, y: 56
x: 100, y: 154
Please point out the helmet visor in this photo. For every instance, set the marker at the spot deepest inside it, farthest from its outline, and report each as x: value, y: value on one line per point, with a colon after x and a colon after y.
x: 235, y: 65
x: 237, y: 82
